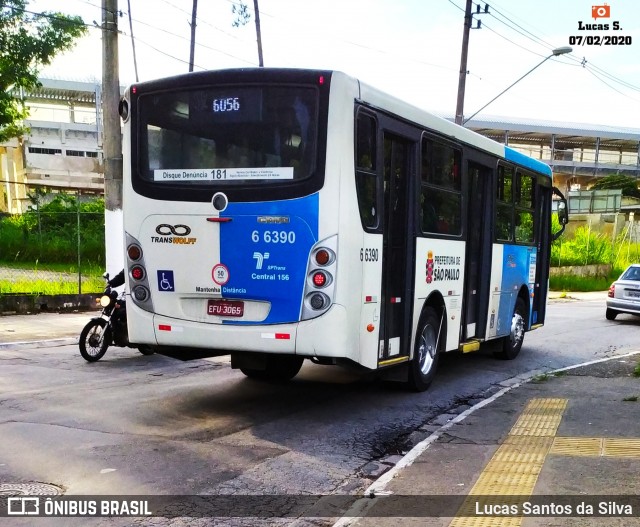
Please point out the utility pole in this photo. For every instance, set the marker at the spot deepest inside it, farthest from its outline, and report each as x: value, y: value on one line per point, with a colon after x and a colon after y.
x: 462, y: 79
x: 133, y: 41
x: 112, y: 138
x: 194, y: 16
x: 258, y: 33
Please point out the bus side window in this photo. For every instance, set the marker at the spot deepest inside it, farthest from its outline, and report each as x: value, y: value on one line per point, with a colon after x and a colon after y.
x: 366, y: 142
x: 441, y: 192
x: 524, y: 205
x: 366, y: 176
x: 504, y: 209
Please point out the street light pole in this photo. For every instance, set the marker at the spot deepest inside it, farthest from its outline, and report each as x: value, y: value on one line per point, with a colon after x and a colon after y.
x: 554, y: 53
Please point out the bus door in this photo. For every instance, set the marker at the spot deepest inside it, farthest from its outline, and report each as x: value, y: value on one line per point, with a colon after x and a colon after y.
x: 397, y: 274
x: 542, y: 229
x: 478, y: 250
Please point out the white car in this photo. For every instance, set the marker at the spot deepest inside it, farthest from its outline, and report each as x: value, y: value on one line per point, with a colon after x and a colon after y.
x: 624, y: 293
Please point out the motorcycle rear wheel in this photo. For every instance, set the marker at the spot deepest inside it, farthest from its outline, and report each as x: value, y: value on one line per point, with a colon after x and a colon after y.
x: 94, y: 340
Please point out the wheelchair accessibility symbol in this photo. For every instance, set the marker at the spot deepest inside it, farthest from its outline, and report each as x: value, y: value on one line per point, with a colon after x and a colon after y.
x: 165, y: 281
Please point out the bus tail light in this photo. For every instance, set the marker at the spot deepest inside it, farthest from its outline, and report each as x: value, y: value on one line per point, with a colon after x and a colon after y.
x: 134, y: 252
x: 140, y: 293
x: 318, y: 301
x: 320, y: 284
x: 319, y: 279
x: 139, y: 278
x: 137, y: 272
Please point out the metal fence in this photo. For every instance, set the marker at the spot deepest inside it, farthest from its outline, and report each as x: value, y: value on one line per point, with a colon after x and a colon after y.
x: 591, y: 201
x: 59, y: 231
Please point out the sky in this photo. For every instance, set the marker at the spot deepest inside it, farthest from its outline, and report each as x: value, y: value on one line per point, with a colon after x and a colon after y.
x: 408, y: 48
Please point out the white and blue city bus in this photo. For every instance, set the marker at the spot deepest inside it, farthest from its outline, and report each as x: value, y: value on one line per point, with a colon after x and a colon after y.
x: 279, y: 215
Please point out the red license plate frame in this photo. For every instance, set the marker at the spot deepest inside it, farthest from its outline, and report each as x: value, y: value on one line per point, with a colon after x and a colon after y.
x: 220, y: 307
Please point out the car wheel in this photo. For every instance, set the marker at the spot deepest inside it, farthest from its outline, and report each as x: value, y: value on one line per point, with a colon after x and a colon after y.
x: 512, y: 343
x: 611, y: 314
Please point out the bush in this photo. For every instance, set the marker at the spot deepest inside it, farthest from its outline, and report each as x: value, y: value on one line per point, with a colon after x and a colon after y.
x: 586, y: 248
x: 48, y: 232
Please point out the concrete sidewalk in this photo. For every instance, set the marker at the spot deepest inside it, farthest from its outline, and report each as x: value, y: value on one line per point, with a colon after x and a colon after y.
x: 43, y: 328
x: 561, y: 449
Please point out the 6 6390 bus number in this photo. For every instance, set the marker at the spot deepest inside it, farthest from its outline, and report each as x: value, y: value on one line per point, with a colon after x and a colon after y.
x: 368, y: 255
x: 274, y: 237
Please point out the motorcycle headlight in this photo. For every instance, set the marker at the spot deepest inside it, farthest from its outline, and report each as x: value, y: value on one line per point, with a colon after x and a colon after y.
x: 105, y: 300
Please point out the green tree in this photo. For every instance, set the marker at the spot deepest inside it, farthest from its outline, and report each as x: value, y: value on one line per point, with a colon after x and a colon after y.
x: 628, y: 184
x: 28, y: 41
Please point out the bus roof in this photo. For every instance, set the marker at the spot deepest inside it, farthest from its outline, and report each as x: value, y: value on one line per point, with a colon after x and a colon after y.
x: 382, y: 100
x: 368, y: 95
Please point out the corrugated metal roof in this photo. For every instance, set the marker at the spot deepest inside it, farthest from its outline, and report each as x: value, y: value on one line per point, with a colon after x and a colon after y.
x: 516, y: 125
x: 57, y: 91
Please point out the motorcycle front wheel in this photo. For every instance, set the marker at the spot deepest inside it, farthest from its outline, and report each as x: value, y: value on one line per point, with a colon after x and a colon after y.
x: 94, y: 340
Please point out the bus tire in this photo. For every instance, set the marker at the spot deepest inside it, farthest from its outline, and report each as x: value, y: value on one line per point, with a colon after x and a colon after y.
x: 422, y: 368
x: 279, y: 368
x: 145, y: 349
x: 512, y: 343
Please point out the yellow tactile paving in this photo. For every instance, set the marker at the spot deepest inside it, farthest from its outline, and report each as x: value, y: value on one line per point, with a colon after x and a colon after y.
x: 514, y: 468
x: 621, y: 447
x: 577, y: 446
x: 596, y: 447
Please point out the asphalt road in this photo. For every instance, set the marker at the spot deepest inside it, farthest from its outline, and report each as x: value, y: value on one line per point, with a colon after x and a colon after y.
x: 131, y: 424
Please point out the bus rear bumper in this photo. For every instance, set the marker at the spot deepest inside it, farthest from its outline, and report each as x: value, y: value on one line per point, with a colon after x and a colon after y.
x: 325, y: 336
x: 268, y: 339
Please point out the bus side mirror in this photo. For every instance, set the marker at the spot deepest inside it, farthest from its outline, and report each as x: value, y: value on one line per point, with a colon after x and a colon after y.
x: 563, y: 213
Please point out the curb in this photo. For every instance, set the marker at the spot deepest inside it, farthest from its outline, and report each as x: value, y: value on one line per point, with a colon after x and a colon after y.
x: 69, y: 341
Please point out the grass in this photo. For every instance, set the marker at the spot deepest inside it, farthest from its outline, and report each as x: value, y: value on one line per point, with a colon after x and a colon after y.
x: 631, y: 398
x: 636, y: 371
x: 581, y: 283
x: 540, y: 378
x: 87, y: 268
x: 66, y: 283
x: 45, y: 287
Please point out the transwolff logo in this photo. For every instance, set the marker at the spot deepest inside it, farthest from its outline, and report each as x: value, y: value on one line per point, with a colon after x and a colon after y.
x: 175, y: 234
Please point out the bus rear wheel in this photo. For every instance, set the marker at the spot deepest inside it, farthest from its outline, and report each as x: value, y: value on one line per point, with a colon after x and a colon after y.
x: 512, y: 343
x: 422, y: 368
x: 278, y: 368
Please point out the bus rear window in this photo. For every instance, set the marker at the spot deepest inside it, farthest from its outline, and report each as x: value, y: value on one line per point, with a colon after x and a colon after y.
x: 228, y: 135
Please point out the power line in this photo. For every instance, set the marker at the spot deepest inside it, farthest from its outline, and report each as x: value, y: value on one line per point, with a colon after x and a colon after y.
x: 186, y: 39
x: 609, y: 85
x: 550, y: 46
x: 47, y: 15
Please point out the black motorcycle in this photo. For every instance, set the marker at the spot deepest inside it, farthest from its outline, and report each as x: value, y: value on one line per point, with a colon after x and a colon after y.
x: 110, y: 328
